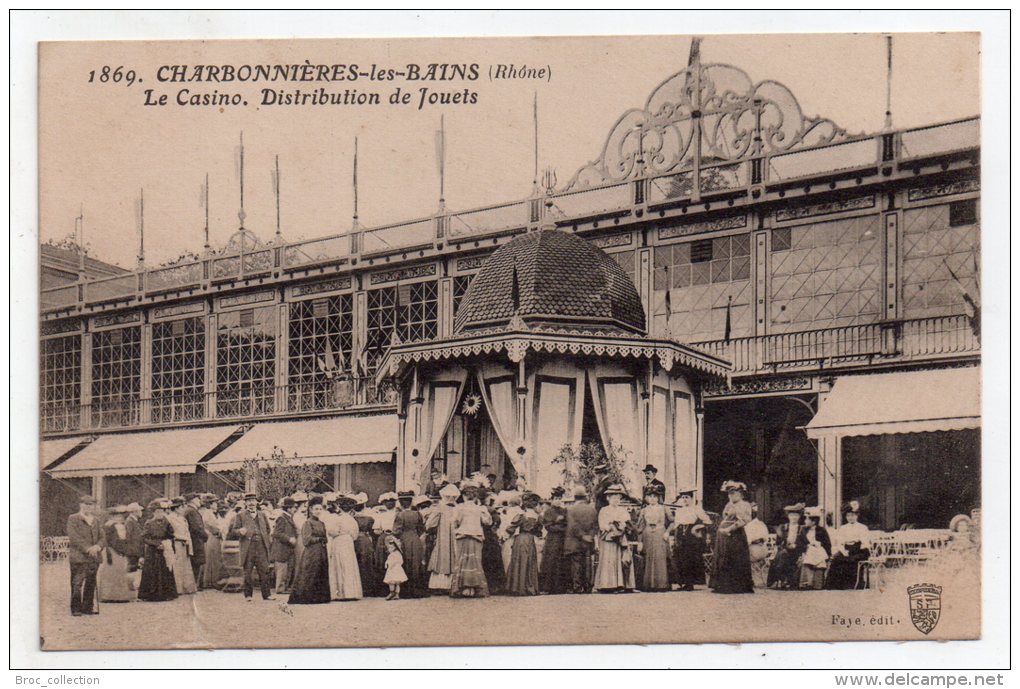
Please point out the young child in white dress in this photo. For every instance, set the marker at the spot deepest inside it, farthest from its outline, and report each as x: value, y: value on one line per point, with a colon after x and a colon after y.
x: 395, y: 574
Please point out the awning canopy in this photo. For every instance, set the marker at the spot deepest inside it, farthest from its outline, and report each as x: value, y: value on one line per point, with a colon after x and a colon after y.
x: 154, y: 452
x: 51, y: 451
x: 907, y: 402
x: 340, y: 440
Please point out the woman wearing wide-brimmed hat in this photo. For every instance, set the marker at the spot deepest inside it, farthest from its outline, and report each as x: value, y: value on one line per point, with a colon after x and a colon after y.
x: 554, y: 570
x: 653, y: 527
x: 469, y: 519
x: 115, y: 585
x: 522, y: 574
x: 689, y: 524
x: 731, y: 565
x: 344, y: 575
x: 157, y: 582
x: 784, y: 573
x: 817, y: 550
x: 611, y: 576
x: 408, y: 527
x: 311, y: 581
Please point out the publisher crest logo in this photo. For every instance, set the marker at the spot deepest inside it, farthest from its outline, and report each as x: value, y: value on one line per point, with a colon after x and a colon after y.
x: 925, y: 606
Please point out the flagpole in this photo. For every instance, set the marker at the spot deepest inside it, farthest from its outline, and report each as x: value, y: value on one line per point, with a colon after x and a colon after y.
x: 79, y: 226
x: 141, y: 228
x: 535, y: 117
x: 355, y: 223
x: 279, y: 234
x: 206, y: 196
x: 888, y: 82
x: 442, y: 160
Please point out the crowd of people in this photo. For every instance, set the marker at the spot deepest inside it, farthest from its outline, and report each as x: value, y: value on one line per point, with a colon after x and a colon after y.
x: 466, y: 541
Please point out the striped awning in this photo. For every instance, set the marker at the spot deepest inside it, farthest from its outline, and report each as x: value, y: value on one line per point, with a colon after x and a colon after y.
x: 175, y: 451
x: 339, y: 440
x: 53, y: 451
x: 906, y: 402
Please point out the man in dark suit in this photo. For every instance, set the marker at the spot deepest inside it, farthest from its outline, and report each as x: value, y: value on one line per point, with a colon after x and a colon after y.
x: 134, y: 544
x: 85, y: 544
x: 284, y: 540
x: 652, y: 484
x: 251, y: 528
x: 196, y: 527
x: 579, y: 540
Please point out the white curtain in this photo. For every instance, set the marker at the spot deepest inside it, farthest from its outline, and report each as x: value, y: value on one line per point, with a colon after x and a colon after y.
x: 686, y: 441
x: 500, y: 399
x: 441, y: 397
x: 660, y: 440
x: 619, y: 419
x: 558, y: 421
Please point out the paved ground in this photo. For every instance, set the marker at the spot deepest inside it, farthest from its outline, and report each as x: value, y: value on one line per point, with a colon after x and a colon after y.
x: 211, y: 619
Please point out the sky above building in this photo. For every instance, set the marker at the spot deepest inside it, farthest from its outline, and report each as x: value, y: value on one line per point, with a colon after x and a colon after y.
x: 100, y: 144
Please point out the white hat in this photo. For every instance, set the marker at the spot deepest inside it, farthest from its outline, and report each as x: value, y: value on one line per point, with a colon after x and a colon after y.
x: 450, y: 491
x: 388, y: 496
x: 421, y: 500
x: 361, y: 499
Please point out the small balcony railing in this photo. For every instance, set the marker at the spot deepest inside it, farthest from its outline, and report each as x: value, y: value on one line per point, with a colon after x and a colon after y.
x: 907, y: 340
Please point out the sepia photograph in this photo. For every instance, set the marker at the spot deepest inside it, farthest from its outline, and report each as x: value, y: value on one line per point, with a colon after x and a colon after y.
x: 549, y: 340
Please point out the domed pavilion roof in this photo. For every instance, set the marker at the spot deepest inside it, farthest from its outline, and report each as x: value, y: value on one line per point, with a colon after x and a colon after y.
x: 555, y: 279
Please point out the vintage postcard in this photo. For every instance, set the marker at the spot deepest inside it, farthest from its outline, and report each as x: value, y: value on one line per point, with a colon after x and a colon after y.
x: 510, y: 341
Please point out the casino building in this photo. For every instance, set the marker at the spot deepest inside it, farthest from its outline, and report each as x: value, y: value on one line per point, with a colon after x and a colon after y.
x: 731, y: 290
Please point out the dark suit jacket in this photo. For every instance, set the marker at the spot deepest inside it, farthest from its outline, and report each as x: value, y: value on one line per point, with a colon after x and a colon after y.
x: 81, y: 537
x: 134, y: 543
x: 246, y: 521
x: 800, y: 541
x: 582, y: 527
x: 659, y: 485
x: 196, y: 526
x: 283, y: 531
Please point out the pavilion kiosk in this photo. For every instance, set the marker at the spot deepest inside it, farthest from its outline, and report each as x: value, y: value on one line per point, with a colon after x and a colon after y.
x: 550, y: 348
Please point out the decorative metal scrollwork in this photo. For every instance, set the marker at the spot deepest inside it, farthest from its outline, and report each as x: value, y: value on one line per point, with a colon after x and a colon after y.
x: 711, y: 114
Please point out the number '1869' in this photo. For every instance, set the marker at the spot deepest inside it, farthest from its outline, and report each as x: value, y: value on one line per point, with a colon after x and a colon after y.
x: 115, y: 75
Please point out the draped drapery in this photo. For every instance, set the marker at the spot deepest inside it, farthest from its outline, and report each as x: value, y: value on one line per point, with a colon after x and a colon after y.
x: 618, y: 418
x: 440, y: 397
x: 558, y: 419
x: 499, y: 396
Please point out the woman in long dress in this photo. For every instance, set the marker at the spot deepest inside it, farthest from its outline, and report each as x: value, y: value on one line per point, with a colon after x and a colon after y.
x: 115, y: 585
x: 469, y: 519
x: 408, y: 527
x: 311, y: 582
x: 183, y: 574
x: 554, y: 571
x: 157, y: 583
x: 654, y: 528
x: 345, y: 577
x: 784, y: 572
x: 444, y: 549
x: 364, y: 548
x: 850, y: 549
x: 817, y: 551
x: 731, y: 566
x: 610, y: 575
x: 522, y: 575
x: 492, y: 555
x: 689, y: 524
x: 213, y: 570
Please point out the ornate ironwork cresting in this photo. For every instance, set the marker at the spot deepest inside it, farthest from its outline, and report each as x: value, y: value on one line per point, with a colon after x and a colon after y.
x: 704, y: 114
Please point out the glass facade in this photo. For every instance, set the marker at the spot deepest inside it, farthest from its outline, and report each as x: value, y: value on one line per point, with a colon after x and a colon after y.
x: 246, y: 362
x: 938, y: 244
x: 178, y: 370
x: 708, y: 282
x: 60, y: 383
x: 829, y: 276
x: 319, y: 354
x: 116, y: 377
